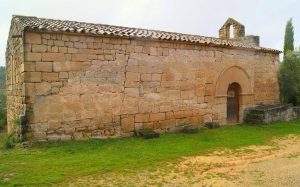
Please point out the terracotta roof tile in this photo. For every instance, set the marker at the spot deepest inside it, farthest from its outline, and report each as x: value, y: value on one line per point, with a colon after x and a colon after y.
x: 51, y: 25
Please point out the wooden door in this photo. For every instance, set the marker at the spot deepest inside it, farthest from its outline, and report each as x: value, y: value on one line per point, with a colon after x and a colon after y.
x: 233, y: 103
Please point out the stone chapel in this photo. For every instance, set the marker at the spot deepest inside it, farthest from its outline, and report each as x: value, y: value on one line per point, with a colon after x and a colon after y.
x: 75, y: 80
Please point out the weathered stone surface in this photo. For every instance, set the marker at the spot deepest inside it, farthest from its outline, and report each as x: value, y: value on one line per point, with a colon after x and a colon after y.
x: 79, y: 86
x: 54, y: 57
x: 43, y: 88
x: 50, y: 77
x: 33, y: 57
x: 33, y: 77
x: 43, y: 66
x: 127, y: 123
x: 63, y: 75
x: 33, y: 38
x: 39, y: 48
x: 157, y: 116
x: 270, y: 113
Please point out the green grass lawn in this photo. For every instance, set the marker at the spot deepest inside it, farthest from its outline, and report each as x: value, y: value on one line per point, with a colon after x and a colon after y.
x: 51, y: 163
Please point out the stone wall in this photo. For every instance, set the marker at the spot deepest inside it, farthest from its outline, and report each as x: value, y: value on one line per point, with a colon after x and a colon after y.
x: 297, y: 111
x: 81, y: 86
x: 271, y: 113
x: 15, y: 89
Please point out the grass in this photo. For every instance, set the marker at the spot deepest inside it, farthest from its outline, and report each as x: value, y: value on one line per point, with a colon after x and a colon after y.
x: 51, y: 163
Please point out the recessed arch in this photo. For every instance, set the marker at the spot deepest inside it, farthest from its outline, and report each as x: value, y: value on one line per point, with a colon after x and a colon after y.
x: 231, y: 75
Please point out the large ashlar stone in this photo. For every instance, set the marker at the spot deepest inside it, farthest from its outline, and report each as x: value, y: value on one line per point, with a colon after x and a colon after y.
x: 53, y: 57
x: 43, y: 88
x: 50, y: 77
x: 69, y: 66
x: 63, y: 75
x: 80, y: 57
x: 127, y: 123
x: 43, y: 66
x: 140, y: 118
x: 33, y: 38
x: 33, y: 77
x: 157, y: 117
x: 39, y: 48
x: 130, y: 76
x: 34, y: 57
x: 28, y: 66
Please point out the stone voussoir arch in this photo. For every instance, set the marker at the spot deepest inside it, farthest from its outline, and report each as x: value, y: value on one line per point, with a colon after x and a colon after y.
x: 233, y: 74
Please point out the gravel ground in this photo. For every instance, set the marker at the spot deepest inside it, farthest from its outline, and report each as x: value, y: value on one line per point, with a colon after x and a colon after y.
x: 277, y: 164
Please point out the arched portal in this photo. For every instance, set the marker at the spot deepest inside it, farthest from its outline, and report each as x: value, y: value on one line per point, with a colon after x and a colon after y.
x: 233, y: 93
x: 233, y: 102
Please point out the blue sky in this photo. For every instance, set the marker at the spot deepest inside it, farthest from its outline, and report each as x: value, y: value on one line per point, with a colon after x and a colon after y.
x: 266, y: 18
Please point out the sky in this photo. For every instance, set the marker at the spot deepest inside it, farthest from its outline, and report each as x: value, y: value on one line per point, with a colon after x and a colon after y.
x: 266, y: 18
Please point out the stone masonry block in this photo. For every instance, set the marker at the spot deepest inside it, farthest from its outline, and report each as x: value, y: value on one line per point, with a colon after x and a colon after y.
x: 50, y: 77
x: 56, y: 57
x: 140, y: 118
x: 43, y: 66
x: 63, y: 75
x: 42, y: 88
x: 157, y: 117
x: 33, y: 57
x: 33, y: 38
x: 69, y: 66
x: 33, y: 77
x: 81, y: 57
x: 39, y: 48
x: 130, y: 76
x: 127, y: 123
x: 146, y: 77
x: 29, y: 66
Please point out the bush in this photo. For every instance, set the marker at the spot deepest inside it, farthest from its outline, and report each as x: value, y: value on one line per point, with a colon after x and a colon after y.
x: 10, y: 141
x: 2, y: 110
x: 147, y: 133
x: 212, y: 125
x: 289, y: 79
x: 2, y: 99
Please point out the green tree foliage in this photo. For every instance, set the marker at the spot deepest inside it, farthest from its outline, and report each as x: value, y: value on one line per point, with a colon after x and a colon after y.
x: 289, y: 79
x: 2, y: 98
x: 2, y: 77
x: 289, y: 37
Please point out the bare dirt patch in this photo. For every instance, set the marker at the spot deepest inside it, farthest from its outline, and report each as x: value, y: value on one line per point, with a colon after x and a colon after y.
x: 277, y: 164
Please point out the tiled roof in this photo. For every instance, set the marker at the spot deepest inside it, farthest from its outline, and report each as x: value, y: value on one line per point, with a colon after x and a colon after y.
x: 51, y: 25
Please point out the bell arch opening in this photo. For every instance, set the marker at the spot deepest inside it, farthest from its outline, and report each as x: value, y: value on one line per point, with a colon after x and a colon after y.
x: 231, y: 32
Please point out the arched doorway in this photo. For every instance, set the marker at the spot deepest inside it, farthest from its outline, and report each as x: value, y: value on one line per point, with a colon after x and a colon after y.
x: 233, y: 102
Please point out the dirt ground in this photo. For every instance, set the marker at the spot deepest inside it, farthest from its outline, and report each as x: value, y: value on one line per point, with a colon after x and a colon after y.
x: 277, y: 164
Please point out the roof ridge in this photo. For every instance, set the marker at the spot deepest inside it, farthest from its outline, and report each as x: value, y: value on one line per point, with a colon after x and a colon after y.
x: 59, y: 25
x: 104, y: 24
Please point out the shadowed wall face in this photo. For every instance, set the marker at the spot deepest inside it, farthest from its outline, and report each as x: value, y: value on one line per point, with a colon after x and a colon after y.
x: 15, y: 90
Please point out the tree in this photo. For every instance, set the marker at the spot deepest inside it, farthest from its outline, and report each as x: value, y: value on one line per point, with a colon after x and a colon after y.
x: 2, y: 99
x: 289, y: 37
x: 289, y: 79
x: 2, y: 77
